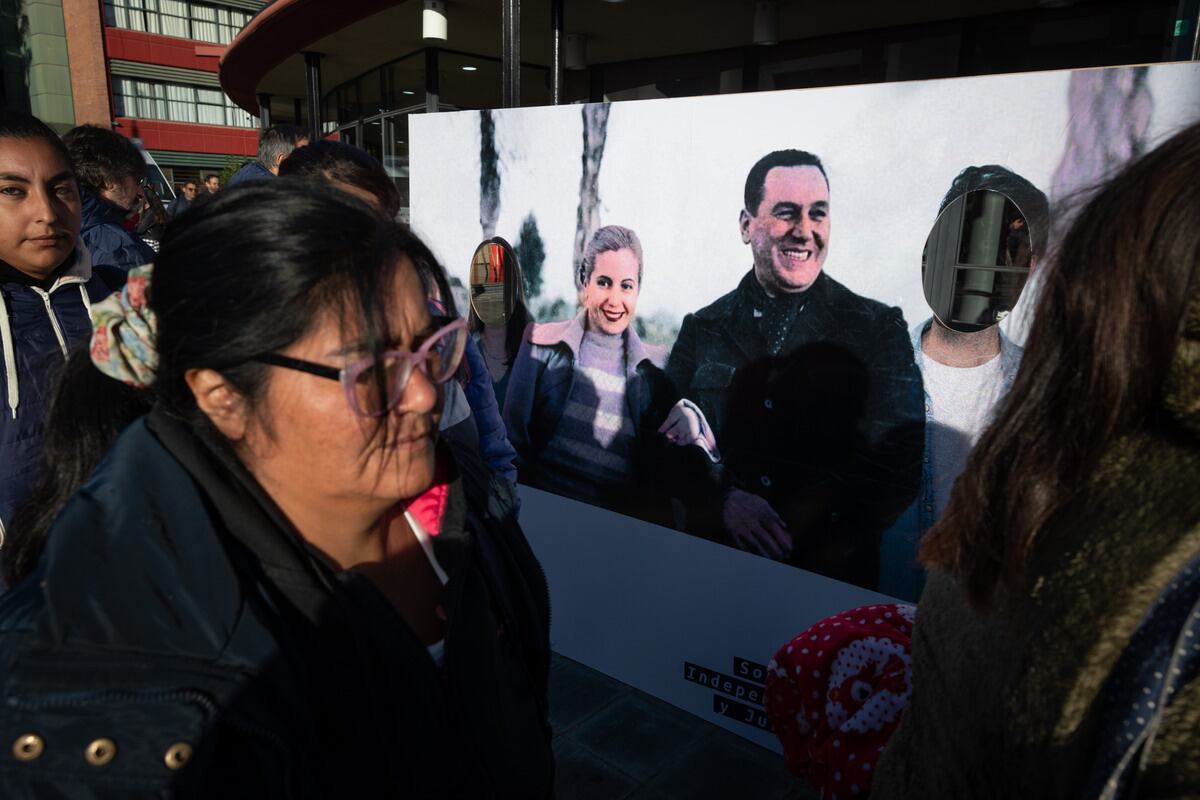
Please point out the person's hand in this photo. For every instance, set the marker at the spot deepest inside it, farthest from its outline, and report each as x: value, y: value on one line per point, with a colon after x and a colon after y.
x: 682, y: 426
x: 754, y: 525
x: 685, y: 425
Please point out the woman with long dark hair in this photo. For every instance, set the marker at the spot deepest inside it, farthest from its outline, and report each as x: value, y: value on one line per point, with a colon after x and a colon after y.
x: 500, y: 328
x: 278, y: 583
x: 1055, y: 652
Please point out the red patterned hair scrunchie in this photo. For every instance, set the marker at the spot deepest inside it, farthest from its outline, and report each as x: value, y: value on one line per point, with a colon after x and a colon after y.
x: 123, y: 332
x: 835, y: 694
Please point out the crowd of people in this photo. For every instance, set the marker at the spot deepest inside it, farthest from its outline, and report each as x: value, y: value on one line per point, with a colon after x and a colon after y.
x: 257, y: 489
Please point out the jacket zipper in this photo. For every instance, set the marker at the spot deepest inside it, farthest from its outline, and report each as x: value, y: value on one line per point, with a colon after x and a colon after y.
x: 62, y: 342
x: 73, y: 699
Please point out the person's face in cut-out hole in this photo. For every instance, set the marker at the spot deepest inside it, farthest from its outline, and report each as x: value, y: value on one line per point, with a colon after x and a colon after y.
x: 789, y: 231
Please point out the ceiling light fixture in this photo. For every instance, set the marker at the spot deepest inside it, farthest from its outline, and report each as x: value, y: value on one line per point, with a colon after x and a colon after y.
x: 469, y: 68
x: 433, y: 21
x: 766, y: 22
x: 407, y: 91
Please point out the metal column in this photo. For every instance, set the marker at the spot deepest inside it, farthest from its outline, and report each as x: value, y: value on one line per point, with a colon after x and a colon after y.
x: 1185, y: 41
x: 510, y: 52
x: 556, y: 30
x: 432, y: 80
x: 312, y: 80
x: 264, y: 110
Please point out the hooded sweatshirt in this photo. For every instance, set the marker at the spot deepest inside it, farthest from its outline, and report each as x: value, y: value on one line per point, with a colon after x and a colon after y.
x: 39, y: 321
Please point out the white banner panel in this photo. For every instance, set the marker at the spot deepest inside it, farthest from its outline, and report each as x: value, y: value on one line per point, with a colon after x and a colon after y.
x: 685, y: 620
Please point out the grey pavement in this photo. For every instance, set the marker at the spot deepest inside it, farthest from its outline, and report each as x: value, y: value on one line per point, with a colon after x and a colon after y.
x: 613, y: 742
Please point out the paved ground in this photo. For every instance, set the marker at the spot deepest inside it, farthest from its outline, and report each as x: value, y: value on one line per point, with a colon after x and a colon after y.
x: 613, y: 742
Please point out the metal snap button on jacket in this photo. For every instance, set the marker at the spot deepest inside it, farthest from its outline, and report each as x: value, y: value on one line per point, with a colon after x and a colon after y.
x: 100, y: 752
x: 178, y: 754
x: 28, y: 747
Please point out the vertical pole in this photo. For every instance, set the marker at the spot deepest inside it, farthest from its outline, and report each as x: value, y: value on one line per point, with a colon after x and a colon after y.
x: 264, y: 110
x: 312, y: 75
x: 1195, y: 31
x: 596, y: 83
x: 510, y: 52
x: 556, y: 30
x: 432, y: 80
x: 1186, y: 34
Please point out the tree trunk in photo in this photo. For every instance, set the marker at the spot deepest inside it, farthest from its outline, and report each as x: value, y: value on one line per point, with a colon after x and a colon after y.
x: 489, y: 175
x: 587, y: 220
x: 531, y: 254
x: 1109, y: 115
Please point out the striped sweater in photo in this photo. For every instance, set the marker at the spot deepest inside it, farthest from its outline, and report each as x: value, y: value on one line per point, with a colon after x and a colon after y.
x: 590, y: 452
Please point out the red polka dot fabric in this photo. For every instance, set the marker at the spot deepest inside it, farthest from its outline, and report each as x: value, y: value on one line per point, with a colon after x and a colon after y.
x: 835, y: 693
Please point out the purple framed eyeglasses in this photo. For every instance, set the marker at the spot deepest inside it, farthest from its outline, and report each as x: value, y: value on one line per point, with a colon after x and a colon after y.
x: 438, y: 358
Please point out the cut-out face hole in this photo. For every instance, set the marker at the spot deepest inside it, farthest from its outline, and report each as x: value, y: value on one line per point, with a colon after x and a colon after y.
x: 489, y: 266
x: 977, y: 260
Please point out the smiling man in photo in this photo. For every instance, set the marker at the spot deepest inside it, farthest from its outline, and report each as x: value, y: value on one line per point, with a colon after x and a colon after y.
x: 810, y: 388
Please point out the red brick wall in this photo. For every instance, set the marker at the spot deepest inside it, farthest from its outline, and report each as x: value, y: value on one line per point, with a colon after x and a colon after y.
x: 159, y: 135
x: 85, y: 53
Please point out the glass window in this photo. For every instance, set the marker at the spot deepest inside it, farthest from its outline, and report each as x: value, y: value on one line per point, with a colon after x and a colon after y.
x: 174, y: 17
x: 204, y: 23
x: 177, y: 102
x: 181, y: 103
x: 180, y: 18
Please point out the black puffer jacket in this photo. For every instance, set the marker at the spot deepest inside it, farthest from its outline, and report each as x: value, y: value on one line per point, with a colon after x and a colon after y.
x: 180, y: 640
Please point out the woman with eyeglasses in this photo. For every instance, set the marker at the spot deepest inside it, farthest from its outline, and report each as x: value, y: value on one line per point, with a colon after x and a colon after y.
x: 278, y: 583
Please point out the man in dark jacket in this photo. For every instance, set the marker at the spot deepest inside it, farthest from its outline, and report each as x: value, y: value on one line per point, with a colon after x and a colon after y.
x: 109, y: 169
x: 276, y: 144
x: 811, y: 391
x: 47, y: 283
x: 187, y: 194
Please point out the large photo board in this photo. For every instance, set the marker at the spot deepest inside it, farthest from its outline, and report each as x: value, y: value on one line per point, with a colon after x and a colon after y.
x: 720, y: 296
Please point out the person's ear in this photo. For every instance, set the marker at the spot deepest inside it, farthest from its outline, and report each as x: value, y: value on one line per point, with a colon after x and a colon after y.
x: 221, y: 403
x: 744, y: 223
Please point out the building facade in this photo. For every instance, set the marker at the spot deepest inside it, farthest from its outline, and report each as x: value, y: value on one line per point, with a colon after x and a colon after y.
x: 146, y: 67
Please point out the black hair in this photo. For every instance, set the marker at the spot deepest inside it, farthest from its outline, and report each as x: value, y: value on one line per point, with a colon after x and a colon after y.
x: 1029, y: 199
x: 514, y: 298
x: 249, y: 271
x: 87, y: 411
x: 757, y: 178
x: 278, y: 140
x: 344, y: 163
x: 18, y: 125
x: 102, y: 157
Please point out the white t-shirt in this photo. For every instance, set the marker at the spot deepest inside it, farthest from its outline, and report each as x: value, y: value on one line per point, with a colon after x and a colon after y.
x: 962, y: 401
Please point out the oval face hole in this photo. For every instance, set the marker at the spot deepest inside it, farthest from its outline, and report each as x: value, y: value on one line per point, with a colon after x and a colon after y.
x: 976, y: 260
x: 489, y: 266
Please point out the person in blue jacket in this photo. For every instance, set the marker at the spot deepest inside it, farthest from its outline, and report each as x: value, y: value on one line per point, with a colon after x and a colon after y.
x: 274, y: 146
x: 109, y: 169
x: 47, y: 285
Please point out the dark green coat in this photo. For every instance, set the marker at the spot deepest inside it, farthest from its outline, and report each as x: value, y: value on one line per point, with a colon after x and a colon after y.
x: 1006, y: 704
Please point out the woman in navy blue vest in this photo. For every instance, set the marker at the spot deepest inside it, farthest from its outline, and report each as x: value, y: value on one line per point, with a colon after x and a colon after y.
x: 47, y: 285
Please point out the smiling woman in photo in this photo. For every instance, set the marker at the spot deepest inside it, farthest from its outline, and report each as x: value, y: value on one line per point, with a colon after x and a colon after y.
x: 588, y: 397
